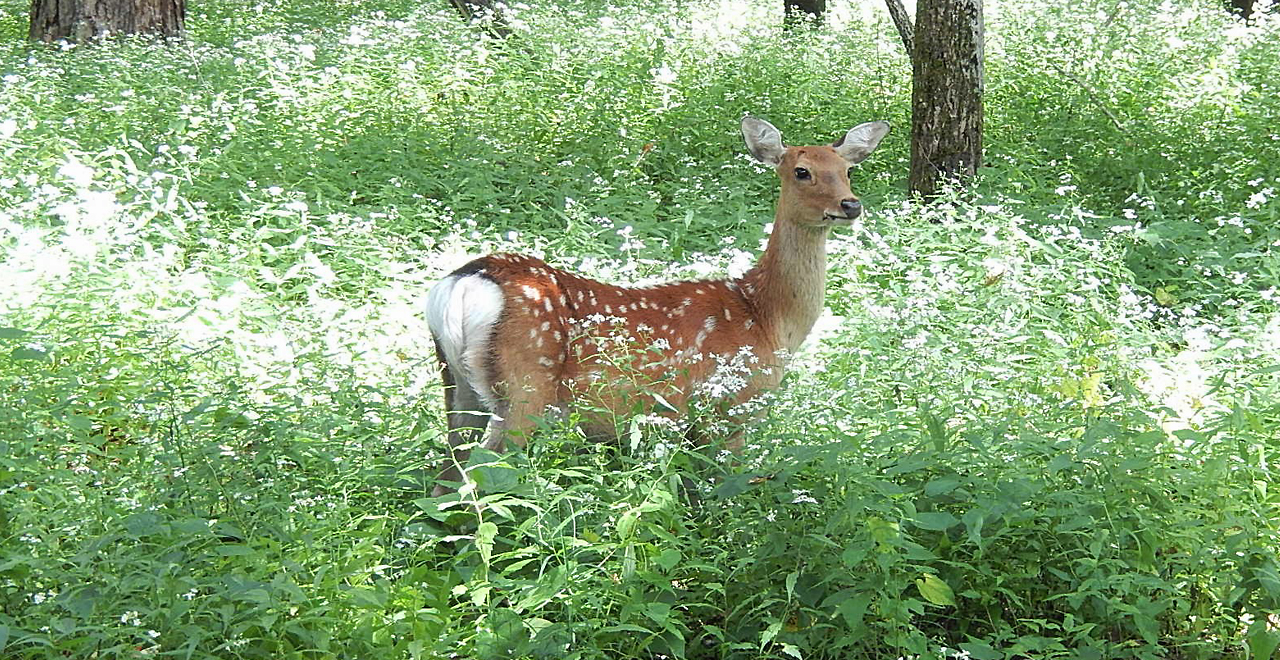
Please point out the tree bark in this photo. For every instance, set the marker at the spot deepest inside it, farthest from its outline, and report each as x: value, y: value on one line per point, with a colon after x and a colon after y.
x: 801, y: 12
x: 946, y: 93
x: 82, y: 20
x: 903, y: 22
x: 485, y: 13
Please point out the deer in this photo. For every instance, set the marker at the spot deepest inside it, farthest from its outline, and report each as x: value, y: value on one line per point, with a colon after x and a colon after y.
x: 518, y: 339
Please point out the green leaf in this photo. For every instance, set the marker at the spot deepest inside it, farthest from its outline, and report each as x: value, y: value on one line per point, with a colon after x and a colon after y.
x: 935, y: 520
x: 941, y: 485
x: 626, y: 627
x: 658, y: 612
x: 853, y: 611
x: 1060, y: 463
x: 792, y: 650
x: 24, y: 353
x: 627, y: 523
x: 1262, y: 643
x: 663, y: 406
x: 668, y: 558
x: 973, y: 520
x: 13, y: 333
x: 854, y: 554
x: 935, y: 590
x: 658, y: 499
x: 368, y: 598
x: 485, y: 534
x: 769, y: 633
x: 979, y: 650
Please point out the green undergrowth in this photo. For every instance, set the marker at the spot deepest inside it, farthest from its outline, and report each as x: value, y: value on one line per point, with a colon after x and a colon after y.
x: 1038, y: 420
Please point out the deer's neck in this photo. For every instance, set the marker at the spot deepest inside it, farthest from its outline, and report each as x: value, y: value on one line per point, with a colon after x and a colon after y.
x: 786, y: 287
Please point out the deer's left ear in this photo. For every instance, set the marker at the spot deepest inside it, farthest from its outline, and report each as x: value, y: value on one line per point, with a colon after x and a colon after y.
x: 861, y: 140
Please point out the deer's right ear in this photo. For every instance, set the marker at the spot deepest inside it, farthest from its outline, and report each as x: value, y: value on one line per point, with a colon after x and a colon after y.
x: 763, y: 141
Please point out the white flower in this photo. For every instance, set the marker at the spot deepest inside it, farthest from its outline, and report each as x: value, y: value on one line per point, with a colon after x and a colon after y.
x: 802, y: 497
x: 78, y: 172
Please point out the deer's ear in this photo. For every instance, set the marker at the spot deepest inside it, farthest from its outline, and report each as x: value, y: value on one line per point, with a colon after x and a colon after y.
x: 861, y: 140
x: 763, y: 141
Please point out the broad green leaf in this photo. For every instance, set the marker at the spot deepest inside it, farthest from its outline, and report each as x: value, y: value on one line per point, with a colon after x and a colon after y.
x: 13, y: 333
x: 24, y: 353
x: 79, y: 422
x: 658, y: 612
x: 941, y: 485
x: 935, y: 590
x: 853, y: 611
x: 668, y: 558
x: 935, y: 520
x: 979, y: 650
x: 853, y: 555
x: 1262, y: 642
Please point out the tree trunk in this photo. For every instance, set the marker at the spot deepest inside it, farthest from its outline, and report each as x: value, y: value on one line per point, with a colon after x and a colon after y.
x: 903, y: 22
x: 946, y: 93
x: 802, y: 12
x: 484, y: 13
x: 81, y: 20
x: 1241, y: 8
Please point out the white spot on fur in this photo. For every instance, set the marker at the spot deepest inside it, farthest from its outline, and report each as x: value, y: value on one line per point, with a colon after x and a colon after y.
x: 547, y: 302
x: 531, y: 293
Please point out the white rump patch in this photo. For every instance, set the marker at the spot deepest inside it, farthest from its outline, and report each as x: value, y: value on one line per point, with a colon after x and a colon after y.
x: 461, y: 312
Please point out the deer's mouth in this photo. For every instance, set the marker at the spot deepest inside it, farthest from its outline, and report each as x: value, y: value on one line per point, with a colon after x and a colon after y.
x: 832, y: 219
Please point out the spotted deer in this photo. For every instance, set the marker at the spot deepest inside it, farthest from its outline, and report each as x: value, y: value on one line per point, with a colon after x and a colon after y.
x: 517, y: 338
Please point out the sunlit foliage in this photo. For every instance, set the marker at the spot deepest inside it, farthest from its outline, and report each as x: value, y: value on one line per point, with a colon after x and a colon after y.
x: 1039, y: 420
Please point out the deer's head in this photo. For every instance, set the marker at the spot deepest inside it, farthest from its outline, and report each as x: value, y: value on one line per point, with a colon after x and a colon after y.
x: 815, y: 180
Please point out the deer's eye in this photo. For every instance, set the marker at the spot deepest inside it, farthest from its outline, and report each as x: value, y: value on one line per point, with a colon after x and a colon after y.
x: 802, y: 174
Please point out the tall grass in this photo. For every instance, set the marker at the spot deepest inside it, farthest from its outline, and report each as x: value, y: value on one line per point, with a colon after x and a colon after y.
x: 1038, y: 419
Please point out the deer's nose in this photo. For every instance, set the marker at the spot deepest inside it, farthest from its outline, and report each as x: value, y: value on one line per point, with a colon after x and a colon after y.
x: 851, y: 207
